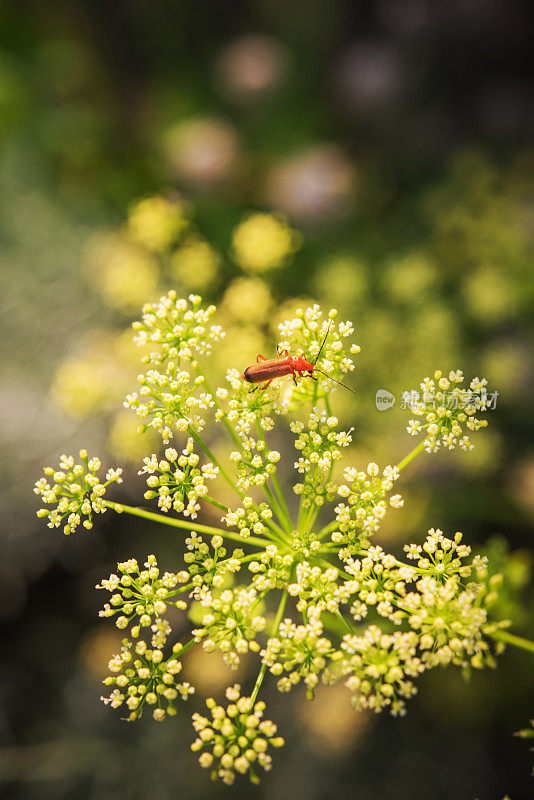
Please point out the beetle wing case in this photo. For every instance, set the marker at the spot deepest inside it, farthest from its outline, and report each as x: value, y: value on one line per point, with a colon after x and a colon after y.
x: 267, y: 370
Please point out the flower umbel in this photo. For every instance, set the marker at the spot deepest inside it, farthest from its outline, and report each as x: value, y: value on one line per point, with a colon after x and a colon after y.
x: 171, y: 395
x: 236, y: 738
x: 142, y: 677
x: 306, y: 592
x: 75, y: 491
x: 446, y: 407
x: 176, y: 481
x: 142, y: 595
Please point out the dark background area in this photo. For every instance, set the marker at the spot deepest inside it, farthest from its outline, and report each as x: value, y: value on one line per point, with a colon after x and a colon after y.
x: 391, y: 134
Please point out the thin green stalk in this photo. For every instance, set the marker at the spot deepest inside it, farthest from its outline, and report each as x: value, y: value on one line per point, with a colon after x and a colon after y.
x: 306, y: 514
x: 301, y: 512
x: 271, y: 498
x: 327, y: 529
x: 182, y: 589
x: 345, y: 622
x: 272, y: 525
x: 184, y: 649
x: 184, y: 524
x: 280, y: 503
x: 329, y: 547
x: 216, y: 503
x: 214, y: 460
x: 411, y: 455
x: 333, y: 624
x: 277, y: 621
x: 281, y: 500
x: 511, y: 638
x: 307, y: 522
x: 227, y: 425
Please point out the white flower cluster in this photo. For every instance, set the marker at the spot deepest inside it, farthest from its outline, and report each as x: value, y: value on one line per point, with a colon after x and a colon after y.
x: 366, y: 503
x: 255, y: 463
x: 176, y: 480
x: 76, y: 492
x: 444, y: 619
x: 446, y: 407
x: 271, y: 569
x: 206, y: 568
x: 249, y: 518
x: 143, y: 677
x: 301, y: 651
x: 381, y: 669
x: 178, y: 328
x: 141, y: 594
x: 320, y: 446
x: 317, y: 589
x: 166, y: 399
x: 231, y: 622
x: 236, y: 738
x: 170, y: 395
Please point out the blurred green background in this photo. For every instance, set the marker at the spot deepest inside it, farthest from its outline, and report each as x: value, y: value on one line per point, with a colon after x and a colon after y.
x: 376, y: 157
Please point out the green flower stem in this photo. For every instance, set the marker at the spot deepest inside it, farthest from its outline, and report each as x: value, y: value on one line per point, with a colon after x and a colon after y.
x: 345, y: 622
x: 181, y: 590
x: 301, y: 512
x: 227, y: 425
x: 328, y: 529
x: 329, y: 548
x: 214, y: 460
x: 511, y: 638
x: 309, y: 519
x: 185, y: 648
x: 184, y: 524
x: 245, y: 559
x: 216, y: 503
x: 306, y: 514
x: 272, y: 525
x: 277, y: 621
x: 316, y: 510
x: 280, y: 503
x: 411, y: 455
x: 281, y: 500
x: 334, y: 624
x: 274, y: 502
x: 312, y: 519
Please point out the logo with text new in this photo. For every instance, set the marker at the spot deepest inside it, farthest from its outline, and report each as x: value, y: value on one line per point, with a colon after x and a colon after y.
x: 384, y: 400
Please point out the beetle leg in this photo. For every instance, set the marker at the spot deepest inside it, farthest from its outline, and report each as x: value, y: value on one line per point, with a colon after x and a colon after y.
x: 281, y: 352
x: 295, y: 379
x: 265, y: 385
x: 259, y: 357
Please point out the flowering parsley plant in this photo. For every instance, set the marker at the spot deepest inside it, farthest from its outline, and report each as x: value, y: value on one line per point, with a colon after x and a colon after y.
x: 298, y: 583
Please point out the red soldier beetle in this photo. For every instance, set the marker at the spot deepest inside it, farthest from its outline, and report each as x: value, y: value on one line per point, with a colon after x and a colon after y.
x: 267, y: 369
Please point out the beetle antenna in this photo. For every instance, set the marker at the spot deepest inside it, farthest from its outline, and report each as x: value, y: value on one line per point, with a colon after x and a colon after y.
x: 335, y: 381
x: 324, y: 340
